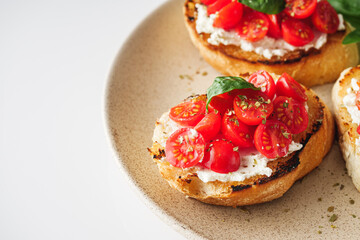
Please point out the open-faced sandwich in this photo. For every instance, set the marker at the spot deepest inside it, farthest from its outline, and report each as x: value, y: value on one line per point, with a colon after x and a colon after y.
x: 303, y: 39
x: 346, y: 100
x: 239, y: 144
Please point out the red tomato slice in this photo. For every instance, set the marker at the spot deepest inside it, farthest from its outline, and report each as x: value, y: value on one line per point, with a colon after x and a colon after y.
x: 208, y: 2
x: 188, y: 114
x: 209, y: 126
x: 229, y: 16
x: 262, y: 79
x: 300, y: 8
x: 292, y: 113
x: 237, y: 132
x: 252, y: 107
x: 221, y: 157
x: 287, y: 86
x: 357, y: 99
x: 283, y: 16
x: 221, y: 103
x: 358, y: 129
x: 232, y: 94
x: 274, y: 26
x: 325, y: 18
x: 217, y: 6
x: 296, y: 32
x: 253, y: 26
x: 272, y: 139
x: 185, y: 148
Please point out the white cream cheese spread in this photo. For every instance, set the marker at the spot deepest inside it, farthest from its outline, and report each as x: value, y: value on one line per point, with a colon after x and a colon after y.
x: 350, y: 104
x: 267, y: 47
x: 349, y: 101
x: 252, y: 162
x: 341, y: 23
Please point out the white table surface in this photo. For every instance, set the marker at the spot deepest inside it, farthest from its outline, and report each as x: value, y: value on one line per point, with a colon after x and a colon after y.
x: 59, y: 177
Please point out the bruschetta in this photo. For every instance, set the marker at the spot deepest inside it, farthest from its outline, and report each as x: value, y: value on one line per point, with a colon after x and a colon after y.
x: 235, y: 39
x: 244, y: 142
x: 346, y: 101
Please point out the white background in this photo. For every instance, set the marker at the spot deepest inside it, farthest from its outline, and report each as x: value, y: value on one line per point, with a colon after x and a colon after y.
x: 59, y: 178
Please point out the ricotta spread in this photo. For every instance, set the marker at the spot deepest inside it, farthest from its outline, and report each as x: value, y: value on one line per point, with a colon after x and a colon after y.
x: 350, y: 105
x: 349, y: 101
x: 252, y: 162
x: 341, y: 23
x: 267, y: 47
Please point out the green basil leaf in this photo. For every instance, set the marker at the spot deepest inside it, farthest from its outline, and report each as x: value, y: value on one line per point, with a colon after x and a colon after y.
x: 346, y: 7
x: 265, y: 6
x: 354, y: 22
x: 226, y: 84
x: 351, y: 12
x: 352, y: 37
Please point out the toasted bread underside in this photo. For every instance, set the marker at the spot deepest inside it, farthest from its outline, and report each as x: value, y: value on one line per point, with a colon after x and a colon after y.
x: 259, y: 188
x: 312, y: 67
x: 346, y: 127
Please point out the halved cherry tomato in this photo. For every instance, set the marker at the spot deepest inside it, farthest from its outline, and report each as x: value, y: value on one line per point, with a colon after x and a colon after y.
x: 253, y: 26
x: 296, y: 32
x: 221, y: 157
x: 217, y: 6
x: 234, y: 93
x: 209, y: 126
x: 287, y: 86
x: 357, y: 99
x: 300, y: 8
x: 358, y: 129
x: 292, y: 113
x: 237, y: 132
x: 325, y: 18
x: 283, y: 16
x: 185, y: 148
x: 272, y: 139
x: 252, y: 107
x: 263, y: 80
x: 208, y: 2
x: 188, y: 113
x: 274, y: 26
x: 221, y: 103
x: 229, y: 16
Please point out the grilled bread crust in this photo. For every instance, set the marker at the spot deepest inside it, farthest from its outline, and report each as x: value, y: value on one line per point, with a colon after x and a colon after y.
x: 316, y: 140
x: 312, y: 67
x: 346, y: 128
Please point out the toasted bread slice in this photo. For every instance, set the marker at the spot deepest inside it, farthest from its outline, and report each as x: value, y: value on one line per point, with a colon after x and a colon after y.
x: 346, y: 126
x: 316, y: 140
x: 312, y: 67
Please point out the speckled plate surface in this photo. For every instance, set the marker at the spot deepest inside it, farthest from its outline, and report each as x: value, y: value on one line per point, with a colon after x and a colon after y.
x: 156, y: 69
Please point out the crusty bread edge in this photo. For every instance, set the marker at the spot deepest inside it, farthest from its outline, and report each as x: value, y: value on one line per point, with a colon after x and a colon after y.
x: 346, y: 128
x: 314, y: 69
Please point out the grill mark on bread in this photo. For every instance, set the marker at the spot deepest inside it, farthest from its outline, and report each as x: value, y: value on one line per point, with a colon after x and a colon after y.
x: 348, y: 74
x: 240, y: 187
x: 186, y: 179
x: 190, y: 14
x: 157, y: 153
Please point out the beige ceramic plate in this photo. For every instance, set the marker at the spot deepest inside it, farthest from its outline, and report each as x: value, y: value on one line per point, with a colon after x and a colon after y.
x: 157, y: 68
